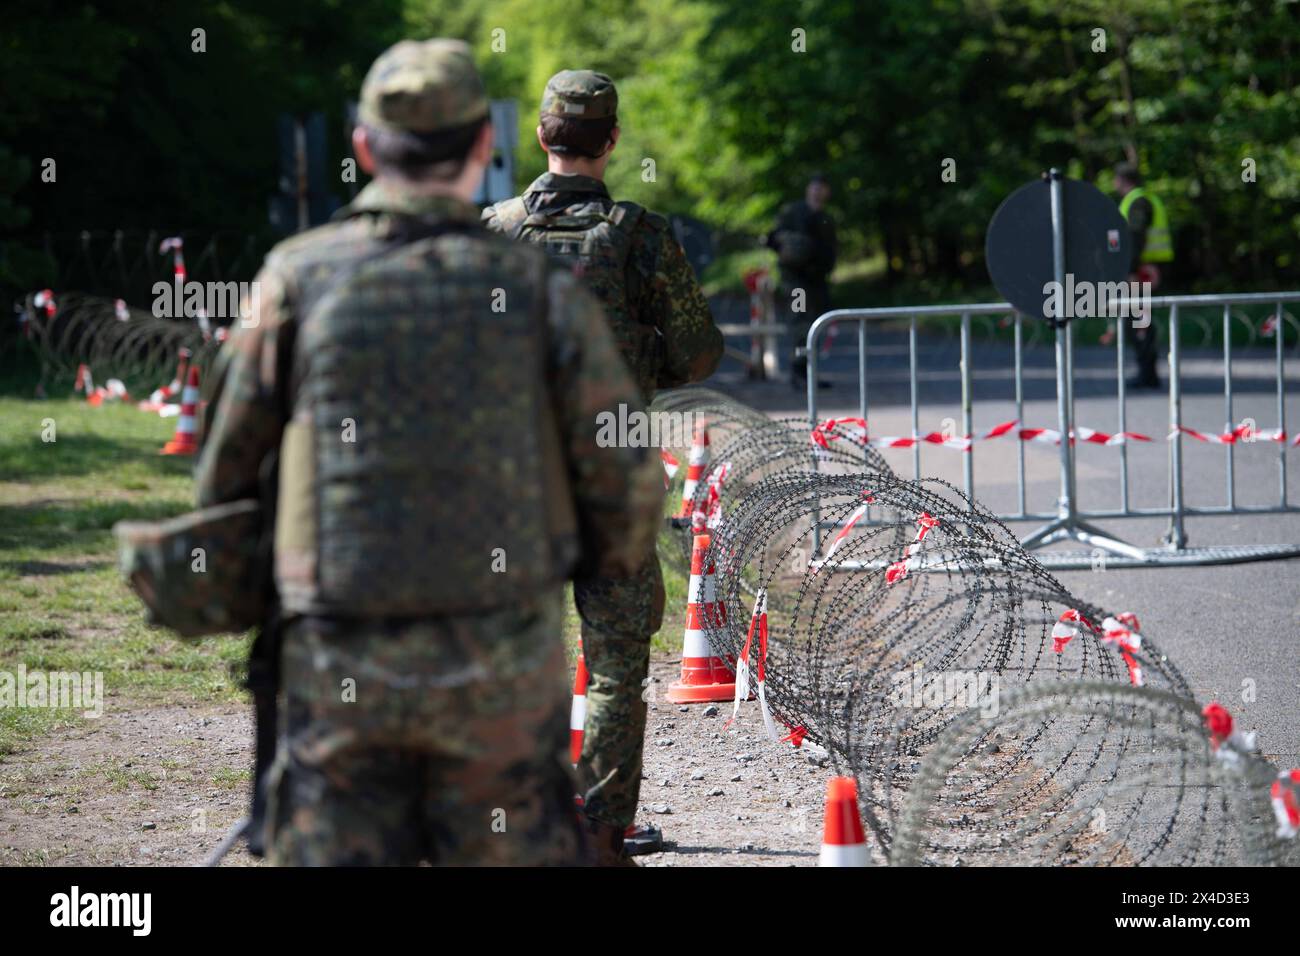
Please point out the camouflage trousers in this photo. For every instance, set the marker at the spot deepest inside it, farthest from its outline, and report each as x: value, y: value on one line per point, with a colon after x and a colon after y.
x: 440, y: 740
x: 619, y: 616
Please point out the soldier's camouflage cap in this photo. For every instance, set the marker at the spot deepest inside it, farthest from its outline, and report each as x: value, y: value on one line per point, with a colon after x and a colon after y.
x: 580, y: 94
x: 423, y: 86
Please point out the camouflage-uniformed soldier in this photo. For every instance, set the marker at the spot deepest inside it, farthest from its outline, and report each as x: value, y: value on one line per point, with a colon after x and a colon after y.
x: 433, y: 393
x: 628, y: 257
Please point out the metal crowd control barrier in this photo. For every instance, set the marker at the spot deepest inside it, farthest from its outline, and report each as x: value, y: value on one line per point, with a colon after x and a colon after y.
x: 1069, y: 522
x: 760, y: 359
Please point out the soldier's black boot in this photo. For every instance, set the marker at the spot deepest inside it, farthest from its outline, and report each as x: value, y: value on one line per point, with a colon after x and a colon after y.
x: 641, y: 839
x: 799, y: 376
x: 1147, y: 377
x: 606, y: 841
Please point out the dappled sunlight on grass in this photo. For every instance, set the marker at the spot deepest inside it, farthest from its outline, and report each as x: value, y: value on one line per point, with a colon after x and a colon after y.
x: 63, y: 604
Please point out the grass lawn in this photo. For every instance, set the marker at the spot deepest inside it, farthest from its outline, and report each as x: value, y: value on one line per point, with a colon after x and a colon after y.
x: 63, y: 604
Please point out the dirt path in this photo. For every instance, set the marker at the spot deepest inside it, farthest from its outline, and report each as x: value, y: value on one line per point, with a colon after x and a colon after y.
x: 727, y: 798
x: 150, y: 786
x: 137, y: 787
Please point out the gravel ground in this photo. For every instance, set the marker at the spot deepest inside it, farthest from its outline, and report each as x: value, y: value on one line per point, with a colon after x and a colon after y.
x: 160, y: 787
x: 727, y: 798
x: 138, y: 787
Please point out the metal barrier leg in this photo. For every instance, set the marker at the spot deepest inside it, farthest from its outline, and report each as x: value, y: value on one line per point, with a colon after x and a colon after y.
x: 1177, y: 534
x: 967, y: 416
x: 814, y: 335
x: 1281, y: 405
x: 1227, y: 404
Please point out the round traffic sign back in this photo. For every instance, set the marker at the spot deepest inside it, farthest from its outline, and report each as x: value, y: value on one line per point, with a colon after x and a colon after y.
x: 1018, y: 244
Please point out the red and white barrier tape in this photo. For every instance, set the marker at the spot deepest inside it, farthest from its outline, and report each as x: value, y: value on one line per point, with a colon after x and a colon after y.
x: 710, y: 514
x: 757, y: 626
x: 1052, y: 436
x: 925, y: 522
x: 1121, y: 631
x: 1244, y: 434
x: 45, y: 300
x: 1285, y: 797
x: 868, y: 499
x: 795, y: 736
x: 671, y: 465
x: 1067, y: 627
x: 828, y: 431
x: 1228, y: 743
x: 833, y: 429
x: 111, y: 391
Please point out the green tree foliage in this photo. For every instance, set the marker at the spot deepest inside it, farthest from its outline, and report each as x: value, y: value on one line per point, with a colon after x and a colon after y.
x: 736, y: 107
x: 734, y: 101
x: 145, y: 131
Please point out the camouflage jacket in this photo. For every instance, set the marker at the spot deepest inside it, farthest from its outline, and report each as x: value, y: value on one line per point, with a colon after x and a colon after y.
x: 667, y: 295
x: 613, y: 493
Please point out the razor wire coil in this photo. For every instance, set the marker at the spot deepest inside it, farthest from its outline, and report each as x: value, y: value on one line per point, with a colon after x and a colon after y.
x: 1072, y: 762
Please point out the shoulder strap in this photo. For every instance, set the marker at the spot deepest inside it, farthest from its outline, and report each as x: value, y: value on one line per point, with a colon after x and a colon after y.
x: 626, y: 214
x: 625, y: 217
x: 622, y: 216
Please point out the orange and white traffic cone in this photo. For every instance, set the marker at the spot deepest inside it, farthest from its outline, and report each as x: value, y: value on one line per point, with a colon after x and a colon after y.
x: 578, y: 712
x: 705, y: 675
x: 695, y: 466
x: 843, y: 842
x: 185, y: 440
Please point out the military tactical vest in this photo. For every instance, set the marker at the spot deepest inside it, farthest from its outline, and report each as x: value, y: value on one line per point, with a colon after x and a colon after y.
x: 1160, y: 242
x: 421, y: 470
x: 595, y: 241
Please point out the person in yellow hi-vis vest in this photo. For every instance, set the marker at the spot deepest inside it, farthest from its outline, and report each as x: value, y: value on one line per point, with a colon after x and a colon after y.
x: 1151, y: 242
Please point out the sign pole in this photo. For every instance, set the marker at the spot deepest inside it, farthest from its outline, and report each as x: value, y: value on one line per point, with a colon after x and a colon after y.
x: 1068, y: 526
x: 1063, y: 408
